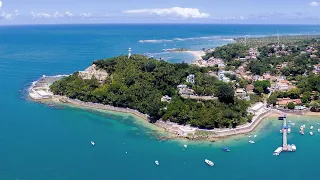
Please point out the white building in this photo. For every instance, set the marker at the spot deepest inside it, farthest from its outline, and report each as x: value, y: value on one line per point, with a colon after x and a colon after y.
x: 165, y: 98
x: 190, y: 79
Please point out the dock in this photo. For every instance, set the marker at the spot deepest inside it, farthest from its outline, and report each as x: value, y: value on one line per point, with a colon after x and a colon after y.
x: 285, y: 146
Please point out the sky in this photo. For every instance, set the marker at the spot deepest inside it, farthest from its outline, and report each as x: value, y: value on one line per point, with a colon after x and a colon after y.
x: 159, y: 11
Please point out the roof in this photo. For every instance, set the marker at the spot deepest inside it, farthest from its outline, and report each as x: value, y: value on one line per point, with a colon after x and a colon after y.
x: 250, y: 87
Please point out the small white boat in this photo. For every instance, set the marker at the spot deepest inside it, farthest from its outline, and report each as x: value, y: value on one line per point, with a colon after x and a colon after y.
x: 255, y: 136
x: 249, y: 136
x: 289, y: 130
x: 301, y: 132
x: 293, y: 124
x: 311, y: 127
x: 308, y: 120
x: 156, y: 162
x: 280, y: 130
x: 92, y: 142
x: 251, y: 142
x: 318, y: 130
x: 210, y: 163
x: 185, y: 146
x: 311, y: 133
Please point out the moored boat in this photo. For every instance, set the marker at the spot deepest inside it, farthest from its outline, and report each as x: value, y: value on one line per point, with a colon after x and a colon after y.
x: 156, y: 162
x: 226, y: 149
x: 210, y: 163
x: 92, y: 142
x: 277, y: 151
x: 311, y: 133
x: 251, y: 142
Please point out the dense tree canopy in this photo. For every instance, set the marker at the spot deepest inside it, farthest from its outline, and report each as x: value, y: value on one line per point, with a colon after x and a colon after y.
x: 140, y: 82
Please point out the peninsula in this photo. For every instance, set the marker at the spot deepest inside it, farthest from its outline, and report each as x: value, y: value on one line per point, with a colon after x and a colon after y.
x: 228, y: 92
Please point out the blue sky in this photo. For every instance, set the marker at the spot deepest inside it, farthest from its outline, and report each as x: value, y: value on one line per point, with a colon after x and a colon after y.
x: 160, y: 11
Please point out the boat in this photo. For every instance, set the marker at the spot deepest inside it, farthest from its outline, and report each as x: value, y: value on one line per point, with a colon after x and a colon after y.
x: 289, y: 130
x: 311, y: 127
x: 281, y: 131
x: 185, y: 146
x: 301, y: 132
x: 311, y: 133
x: 293, y: 124
x: 255, y: 136
x: 294, y: 148
x: 210, y: 163
x: 251, y: 142
x: 226, y: 149
x: 249, y: 136
x: 156, y: 162
x: 92, y: 142
x: 318, y: 130
x: 277, y: 151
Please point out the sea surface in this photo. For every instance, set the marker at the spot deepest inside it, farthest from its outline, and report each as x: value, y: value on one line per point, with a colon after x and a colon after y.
x: 42, y: 143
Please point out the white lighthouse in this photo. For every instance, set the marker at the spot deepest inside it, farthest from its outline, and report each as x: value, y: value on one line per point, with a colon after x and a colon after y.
x: 129, y: 53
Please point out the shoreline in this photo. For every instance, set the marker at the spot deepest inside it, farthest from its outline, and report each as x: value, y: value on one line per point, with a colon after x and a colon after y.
x: 197, y: 54
x: 174, y: 131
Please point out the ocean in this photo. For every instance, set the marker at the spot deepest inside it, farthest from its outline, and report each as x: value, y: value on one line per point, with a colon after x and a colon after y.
x: 42, y: 143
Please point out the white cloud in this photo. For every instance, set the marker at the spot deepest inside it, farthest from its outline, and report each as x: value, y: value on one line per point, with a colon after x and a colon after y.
x: 175, y: 11
x: 69, y: 14
x: 314, y: 4
x: 57, y: 15
x: 0, y: 4
x: 40, y: 15
x: 85, y: 14
x: 8, y: 16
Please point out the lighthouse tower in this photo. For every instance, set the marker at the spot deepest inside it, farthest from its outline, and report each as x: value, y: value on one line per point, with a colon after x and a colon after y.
x: 129, y: 53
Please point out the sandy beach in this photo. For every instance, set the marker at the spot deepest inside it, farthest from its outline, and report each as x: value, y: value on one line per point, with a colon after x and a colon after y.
x: 197, y: 54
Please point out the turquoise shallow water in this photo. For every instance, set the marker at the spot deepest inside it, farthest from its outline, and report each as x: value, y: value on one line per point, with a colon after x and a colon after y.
x: 39, y: 143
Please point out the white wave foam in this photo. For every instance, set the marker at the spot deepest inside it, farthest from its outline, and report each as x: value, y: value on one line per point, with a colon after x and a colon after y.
x: 182, y: 39
x: 155, y: 41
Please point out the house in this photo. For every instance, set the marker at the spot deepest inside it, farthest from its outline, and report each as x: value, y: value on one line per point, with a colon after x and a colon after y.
x: 184, y: 90
x: 166, y: 98
x: 286, y: 101
x: 190, y: 79
x: 250, y: 88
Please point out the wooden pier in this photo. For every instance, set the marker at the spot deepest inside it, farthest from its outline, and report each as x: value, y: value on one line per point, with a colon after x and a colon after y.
x: 285, y: 146
x: 284, y: 135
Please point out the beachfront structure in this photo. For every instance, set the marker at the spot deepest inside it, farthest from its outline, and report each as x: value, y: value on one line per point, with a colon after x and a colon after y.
x: 92, y: 71
x: 256, y: 108
x: 190, y: 79
x: 40, y: 93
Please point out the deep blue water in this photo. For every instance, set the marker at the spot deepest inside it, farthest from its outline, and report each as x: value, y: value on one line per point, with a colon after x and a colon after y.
x: 39, y: 143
